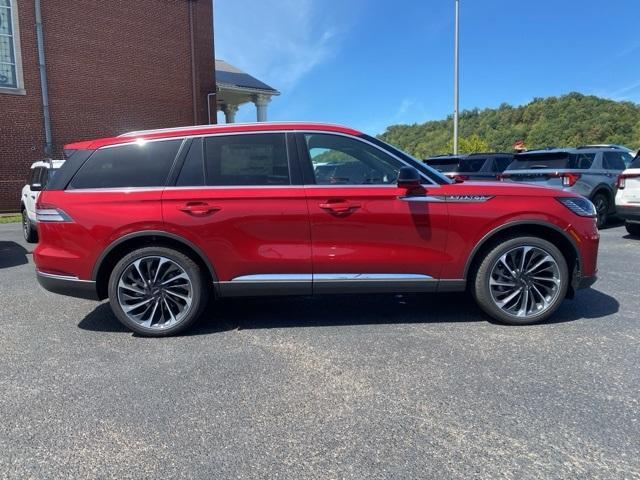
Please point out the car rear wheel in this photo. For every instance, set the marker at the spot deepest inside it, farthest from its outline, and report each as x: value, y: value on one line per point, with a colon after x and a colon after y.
x: 633, y: 228
x: 521, y: 281
x: 157, y: 291
x: 603, y: 206
x: 29, y: 232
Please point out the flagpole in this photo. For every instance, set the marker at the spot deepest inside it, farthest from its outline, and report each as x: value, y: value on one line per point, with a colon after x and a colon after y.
x: 456, y: 49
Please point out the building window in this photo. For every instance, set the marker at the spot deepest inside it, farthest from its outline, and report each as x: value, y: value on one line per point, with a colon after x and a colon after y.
x: 10, y: 66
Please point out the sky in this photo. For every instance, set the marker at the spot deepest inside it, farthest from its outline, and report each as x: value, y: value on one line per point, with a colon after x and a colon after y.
x: 374, y: 63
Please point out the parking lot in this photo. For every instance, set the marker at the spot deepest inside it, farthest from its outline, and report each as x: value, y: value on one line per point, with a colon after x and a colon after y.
x: 332, y: 387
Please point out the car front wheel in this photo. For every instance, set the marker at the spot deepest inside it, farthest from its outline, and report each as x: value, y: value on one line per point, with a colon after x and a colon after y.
x: 157, y: 291
x: 521, y: 281
x: 28, y: 230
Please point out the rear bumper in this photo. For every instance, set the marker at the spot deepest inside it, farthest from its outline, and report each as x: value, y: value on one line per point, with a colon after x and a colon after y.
x: 70, y: 286
x: 629, y: 213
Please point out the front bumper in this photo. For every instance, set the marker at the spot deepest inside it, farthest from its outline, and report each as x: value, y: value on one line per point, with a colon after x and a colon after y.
x: 70, y: 286
x: 630, y: 213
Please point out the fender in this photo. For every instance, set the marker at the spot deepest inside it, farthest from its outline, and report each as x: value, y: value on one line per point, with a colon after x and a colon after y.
x: 153, y: 233
x: 515, y: 223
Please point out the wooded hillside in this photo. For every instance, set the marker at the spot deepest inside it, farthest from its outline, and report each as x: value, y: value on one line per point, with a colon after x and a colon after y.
x: 569, y: 120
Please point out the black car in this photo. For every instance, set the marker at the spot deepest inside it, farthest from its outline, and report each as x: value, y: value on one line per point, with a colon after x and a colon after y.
x: 476, y: 166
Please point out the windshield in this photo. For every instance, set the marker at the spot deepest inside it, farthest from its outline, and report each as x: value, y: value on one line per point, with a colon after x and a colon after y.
x: 432, y: 173
x: 552, y: 160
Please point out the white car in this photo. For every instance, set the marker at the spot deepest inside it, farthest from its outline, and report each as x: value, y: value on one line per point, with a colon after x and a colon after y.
x: 40, y: 174
x: 628, y: 197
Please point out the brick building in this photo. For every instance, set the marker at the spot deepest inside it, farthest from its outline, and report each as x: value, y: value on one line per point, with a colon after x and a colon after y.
x: 110, y: 67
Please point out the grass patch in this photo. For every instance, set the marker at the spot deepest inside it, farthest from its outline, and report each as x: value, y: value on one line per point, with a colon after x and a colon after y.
x: 10, y: 219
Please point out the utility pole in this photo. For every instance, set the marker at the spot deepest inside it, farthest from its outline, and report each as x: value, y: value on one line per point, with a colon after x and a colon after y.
x: 456, y: 75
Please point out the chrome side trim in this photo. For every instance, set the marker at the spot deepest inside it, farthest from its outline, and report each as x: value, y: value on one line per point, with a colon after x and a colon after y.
x: 274, y: 277
x: 67, y: 278
x: 468, y: 198
x: 369, y: 276
x: 420, y: 199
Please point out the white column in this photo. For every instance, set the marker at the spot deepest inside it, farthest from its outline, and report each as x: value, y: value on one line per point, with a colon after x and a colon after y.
x: 261, y: 102
x: 229, y: 113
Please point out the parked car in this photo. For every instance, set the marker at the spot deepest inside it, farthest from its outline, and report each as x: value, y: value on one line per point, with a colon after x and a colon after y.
x: 475, y: 166
x: 591, y: 172
x: 628, y: 197
x: 161, y: 221
x: 39, y: 175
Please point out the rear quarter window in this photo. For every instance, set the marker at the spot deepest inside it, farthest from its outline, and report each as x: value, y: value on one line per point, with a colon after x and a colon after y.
x: 613, y: 161
x: 127, y: 166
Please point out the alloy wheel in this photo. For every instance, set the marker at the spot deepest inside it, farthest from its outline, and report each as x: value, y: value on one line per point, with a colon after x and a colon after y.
x: 155, y: 292
x: 525, y: 281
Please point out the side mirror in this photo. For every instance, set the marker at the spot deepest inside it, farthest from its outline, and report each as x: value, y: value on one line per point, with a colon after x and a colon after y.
x: 409, y: 178
x: 36, y: 187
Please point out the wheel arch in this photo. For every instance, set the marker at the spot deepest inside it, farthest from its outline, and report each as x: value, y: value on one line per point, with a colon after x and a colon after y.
x: 120, y: 247
x: 544, y: 230
x: 608, y: 192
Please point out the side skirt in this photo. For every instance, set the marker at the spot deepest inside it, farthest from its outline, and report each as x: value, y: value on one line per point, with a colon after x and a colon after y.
x: 319, y: 284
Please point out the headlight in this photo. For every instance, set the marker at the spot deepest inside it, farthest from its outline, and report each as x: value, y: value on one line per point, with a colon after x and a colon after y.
x: 579, y: 205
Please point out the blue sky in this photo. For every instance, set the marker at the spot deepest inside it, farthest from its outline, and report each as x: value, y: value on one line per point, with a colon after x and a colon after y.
x: 374, y: 63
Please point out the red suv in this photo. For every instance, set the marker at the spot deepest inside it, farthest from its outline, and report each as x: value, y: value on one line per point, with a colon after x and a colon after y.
x: 161, y: 221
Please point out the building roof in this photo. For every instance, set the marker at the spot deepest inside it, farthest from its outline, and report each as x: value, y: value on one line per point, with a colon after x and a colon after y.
x: 209, y: 129
x: 232, y: 77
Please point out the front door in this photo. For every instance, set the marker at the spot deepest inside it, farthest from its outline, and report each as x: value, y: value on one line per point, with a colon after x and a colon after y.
x: 366, y: 233
x: 234, y: 198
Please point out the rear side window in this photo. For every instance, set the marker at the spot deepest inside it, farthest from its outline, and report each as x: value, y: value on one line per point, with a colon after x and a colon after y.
x: 613, y: 161
x: 192, y: 173
x: 636, y: 162
x: 553, y: 160
x: 139, y: 165
x: 501, y: 163
x: 256, y: 159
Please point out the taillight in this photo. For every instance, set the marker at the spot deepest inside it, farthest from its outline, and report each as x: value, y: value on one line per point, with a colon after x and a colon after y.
x: 502, y: 176
x: 570, y: 179
x: 50, y: 213
x: 622, y: 182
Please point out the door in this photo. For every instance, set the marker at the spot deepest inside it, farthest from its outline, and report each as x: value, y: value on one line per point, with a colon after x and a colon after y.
x: 366, y: 233
x: 235, y: 198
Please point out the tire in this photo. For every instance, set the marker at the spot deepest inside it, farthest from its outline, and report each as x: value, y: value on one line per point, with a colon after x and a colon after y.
x: 603, y: 207
x: 554, y: 291
x: 28, y: 230
x: 165, y: 310
x: 633, y: 228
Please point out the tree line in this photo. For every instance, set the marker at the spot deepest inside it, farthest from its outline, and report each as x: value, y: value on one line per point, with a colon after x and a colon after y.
x: 569, y: 120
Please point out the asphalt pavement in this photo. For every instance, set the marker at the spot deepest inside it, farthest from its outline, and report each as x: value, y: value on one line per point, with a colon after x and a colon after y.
x: 355, y: 387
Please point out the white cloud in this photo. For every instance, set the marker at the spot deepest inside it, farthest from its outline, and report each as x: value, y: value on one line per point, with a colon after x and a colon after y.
x: 278, y: 42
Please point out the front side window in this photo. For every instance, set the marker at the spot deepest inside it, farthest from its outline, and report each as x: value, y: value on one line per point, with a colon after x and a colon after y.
x: 339, y: 160
x: 9, y: 57
x: 144, y: 164
x: 252, y: 159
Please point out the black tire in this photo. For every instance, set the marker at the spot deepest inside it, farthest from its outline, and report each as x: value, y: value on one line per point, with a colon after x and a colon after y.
x: 633, y: 228
x: 603, y: 207
x: 199, y: 285
x: 481, y: 288
x: 28, y: 230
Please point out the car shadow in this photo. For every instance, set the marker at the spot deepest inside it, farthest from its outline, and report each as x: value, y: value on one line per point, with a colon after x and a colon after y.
x: 326, y: 311
x: 12, y: 254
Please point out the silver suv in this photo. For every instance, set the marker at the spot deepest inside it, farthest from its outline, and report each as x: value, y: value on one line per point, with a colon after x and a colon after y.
x: 591, y: 172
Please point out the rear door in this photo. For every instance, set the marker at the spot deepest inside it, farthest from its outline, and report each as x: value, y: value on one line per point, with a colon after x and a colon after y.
x: 366, y: 234
x: 239, y: 199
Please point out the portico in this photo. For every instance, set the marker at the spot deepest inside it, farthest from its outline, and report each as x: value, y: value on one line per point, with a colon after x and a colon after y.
x: 235, y: 88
